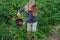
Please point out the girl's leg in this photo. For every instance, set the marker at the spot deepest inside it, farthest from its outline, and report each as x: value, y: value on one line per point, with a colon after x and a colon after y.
x: 34, y: 28
x: 29, y: 35
x: 28, y: 27
x: 29, y: 30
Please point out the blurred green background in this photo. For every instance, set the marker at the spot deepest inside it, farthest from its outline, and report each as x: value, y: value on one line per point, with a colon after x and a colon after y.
x: 48, y: 16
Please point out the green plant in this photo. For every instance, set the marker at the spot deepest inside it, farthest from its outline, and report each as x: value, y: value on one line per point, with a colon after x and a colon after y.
x: 48, y: 15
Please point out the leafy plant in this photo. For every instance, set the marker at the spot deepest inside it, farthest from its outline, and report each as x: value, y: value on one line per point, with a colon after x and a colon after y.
x: 48, y: 15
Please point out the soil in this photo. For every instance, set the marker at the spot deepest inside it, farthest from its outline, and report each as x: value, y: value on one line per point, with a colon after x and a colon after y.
x: 54, y: 35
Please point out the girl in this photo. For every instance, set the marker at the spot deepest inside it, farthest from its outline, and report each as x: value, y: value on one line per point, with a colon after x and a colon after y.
x: 31, y: 17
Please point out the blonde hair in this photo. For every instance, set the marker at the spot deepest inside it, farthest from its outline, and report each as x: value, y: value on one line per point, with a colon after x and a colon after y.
x: 33, y: 8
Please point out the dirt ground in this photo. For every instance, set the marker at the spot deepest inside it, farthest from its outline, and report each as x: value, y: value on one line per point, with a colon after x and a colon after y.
x: 54, y: 35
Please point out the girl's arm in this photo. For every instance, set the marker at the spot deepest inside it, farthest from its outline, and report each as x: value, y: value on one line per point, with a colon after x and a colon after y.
x: 19, y: 11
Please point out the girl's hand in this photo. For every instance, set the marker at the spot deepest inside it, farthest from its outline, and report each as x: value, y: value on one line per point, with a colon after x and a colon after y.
x: 23, y: 23
x: 18, y: 14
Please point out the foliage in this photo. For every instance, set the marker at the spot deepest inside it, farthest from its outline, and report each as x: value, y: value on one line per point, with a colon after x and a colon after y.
x: 48, y: 15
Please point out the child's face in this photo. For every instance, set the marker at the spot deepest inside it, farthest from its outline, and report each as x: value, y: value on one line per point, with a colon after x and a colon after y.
x: 30, y: 6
